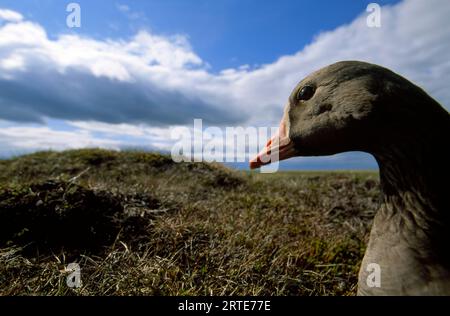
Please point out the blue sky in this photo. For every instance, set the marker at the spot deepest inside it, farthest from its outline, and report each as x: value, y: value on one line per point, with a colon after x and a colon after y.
x: 136, y: 70
x: 225, y: 33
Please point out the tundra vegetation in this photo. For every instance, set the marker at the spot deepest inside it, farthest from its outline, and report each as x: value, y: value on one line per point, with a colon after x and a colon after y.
x: 140, y: 224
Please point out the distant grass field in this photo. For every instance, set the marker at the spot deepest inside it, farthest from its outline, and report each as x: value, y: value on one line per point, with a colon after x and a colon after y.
x: 139, y: 224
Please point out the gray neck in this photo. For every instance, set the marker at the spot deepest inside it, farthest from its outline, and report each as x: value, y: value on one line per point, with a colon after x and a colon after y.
x: 410, y: 235
x: 413, y: 174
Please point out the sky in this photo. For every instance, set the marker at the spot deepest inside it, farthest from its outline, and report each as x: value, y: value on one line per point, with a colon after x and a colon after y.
x: 137, y: 70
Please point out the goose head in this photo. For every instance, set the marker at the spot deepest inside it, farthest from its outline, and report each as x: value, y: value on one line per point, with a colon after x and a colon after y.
x: 356, y: 106
x: 342, y: 107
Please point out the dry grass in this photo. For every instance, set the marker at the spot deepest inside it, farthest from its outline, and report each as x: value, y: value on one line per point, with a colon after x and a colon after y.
x: 139, y: 224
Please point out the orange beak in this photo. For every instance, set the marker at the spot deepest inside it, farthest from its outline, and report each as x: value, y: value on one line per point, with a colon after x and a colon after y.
x: 279, y: 147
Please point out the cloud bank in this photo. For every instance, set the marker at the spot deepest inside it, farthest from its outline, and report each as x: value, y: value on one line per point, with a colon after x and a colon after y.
x: 160, y: 81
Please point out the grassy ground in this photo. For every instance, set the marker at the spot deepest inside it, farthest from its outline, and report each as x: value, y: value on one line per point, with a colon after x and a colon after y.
x: 139, y: 224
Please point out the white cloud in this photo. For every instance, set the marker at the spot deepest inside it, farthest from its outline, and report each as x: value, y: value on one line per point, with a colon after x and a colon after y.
x: 144, y: 79
x: 130, y: 14
x: 123, y: 7
x: 13, y: 62
x: 10, y: 16
x: 150, y: 136
x: 22, y: 139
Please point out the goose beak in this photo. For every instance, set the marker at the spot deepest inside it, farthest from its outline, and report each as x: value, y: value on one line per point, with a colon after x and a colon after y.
x: 279, y: 147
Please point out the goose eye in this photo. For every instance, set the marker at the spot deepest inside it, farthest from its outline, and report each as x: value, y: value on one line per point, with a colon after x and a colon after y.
x: 305, y: 93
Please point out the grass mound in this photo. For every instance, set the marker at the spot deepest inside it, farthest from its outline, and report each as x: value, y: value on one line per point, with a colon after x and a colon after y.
x: 140, y: 224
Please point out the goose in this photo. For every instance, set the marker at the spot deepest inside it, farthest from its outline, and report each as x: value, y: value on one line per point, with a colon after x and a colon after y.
x: 358, y: 106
